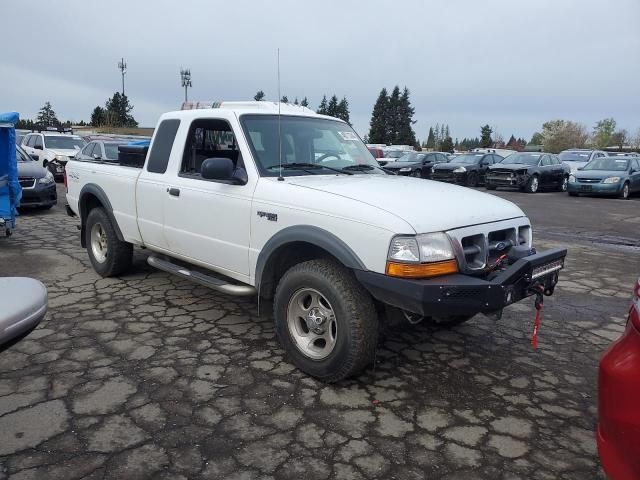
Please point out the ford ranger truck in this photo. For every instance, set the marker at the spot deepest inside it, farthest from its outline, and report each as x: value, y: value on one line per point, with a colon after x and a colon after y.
x: 282, y: 203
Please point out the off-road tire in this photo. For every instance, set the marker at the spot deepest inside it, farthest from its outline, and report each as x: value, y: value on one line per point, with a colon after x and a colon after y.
x: 355, y: 313
x: 529, y: 187
x: 119, y: 253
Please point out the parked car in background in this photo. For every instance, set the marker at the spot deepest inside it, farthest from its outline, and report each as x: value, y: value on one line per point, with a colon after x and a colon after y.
x: 20, y: 134
x: 38, y: 184
x: 503, y: 152
x: 623, y: 154
x: 607, y: 176
x: 618, y: 434
x: 377, y: 152
x: 467, y: 169
x: 417, y: 164
x: 579, y: 157
x: 529, y: 171
x: 53, y: 148
x: 391, y: 156
x: 105, y: 148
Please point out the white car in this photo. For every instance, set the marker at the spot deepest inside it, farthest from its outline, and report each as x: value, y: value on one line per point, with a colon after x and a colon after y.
x: 52, y: 147
x: 237, y: 199
x: 578, y: 157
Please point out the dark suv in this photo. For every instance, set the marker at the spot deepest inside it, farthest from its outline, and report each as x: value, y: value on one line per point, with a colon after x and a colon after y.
x: 467, y: 169
x: 416, y: 164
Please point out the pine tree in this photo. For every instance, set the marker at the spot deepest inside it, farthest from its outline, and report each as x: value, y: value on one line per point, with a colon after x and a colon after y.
x: 378, y: 126
x: 486, y: 140
x: 117, y: 112
x: 284, y: 99
x: 406, y: 135
x: 322, y: 108
x: 343, y: 110
x: 304, y: 102
x: 447, y: 145
x: 259, y: 96
x: 295, y: 102
x: 98, y: 116
x: 431, y: 140
x: 332, y: 108
x: 393, y: 119
x: 47, y: 117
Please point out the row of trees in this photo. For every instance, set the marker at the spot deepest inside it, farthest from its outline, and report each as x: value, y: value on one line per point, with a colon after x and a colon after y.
x: 558, y: 135
x: 332, y: 107
x: 392, y: 119
x: 439, y: 139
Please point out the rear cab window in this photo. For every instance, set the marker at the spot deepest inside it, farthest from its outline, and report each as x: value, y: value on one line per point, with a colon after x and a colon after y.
x: 162, y: 145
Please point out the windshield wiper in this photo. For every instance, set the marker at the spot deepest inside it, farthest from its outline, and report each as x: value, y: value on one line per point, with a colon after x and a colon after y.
x: 305, y: 167
x: 359, y: 168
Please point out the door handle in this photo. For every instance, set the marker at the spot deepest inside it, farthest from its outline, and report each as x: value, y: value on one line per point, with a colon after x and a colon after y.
x: 174, y: 191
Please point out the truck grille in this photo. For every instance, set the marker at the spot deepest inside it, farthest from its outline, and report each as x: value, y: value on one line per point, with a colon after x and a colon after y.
x: 478, y: 249
x: 27, y: 182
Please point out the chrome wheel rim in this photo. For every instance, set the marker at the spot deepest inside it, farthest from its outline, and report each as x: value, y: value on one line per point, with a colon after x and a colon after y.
x: 312, y: 323
x: 99, y: 246
x: 415, y: 173
x: 625, y: 191
x: 534, y: 184
x: 565, y: 184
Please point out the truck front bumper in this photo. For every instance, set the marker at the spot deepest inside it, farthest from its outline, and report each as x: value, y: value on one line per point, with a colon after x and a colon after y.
x: 460, y: 294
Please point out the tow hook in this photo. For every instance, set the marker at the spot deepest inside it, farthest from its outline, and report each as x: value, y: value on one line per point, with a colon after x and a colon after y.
x: 539, y: 304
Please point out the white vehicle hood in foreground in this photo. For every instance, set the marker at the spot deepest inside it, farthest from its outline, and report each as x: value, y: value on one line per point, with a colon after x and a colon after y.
x: 426, y: 205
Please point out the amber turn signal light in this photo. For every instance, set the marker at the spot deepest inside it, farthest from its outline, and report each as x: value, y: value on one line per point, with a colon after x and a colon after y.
x: 421, y: 270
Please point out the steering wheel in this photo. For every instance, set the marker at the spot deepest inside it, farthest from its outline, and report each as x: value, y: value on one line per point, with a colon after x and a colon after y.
x: 327, y: 155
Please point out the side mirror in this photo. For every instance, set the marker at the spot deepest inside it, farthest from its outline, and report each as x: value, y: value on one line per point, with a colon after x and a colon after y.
x: 96, y: 157
x: 223, y: 169
x: 34, y: 156
x: 580, y: 168
x: 37, y: 147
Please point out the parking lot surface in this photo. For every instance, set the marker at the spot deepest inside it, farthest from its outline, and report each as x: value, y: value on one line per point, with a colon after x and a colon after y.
x: 149, y: 376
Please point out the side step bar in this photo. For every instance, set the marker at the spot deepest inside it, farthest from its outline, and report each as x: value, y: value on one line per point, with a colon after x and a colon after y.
x: 206, y: 280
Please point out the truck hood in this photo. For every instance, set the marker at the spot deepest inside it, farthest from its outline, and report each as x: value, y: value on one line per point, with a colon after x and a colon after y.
x: 426, y: 205
x: 69, y: 152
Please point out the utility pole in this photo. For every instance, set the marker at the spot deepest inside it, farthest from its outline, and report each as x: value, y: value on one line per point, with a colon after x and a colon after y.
x: 122, y: 66
x: 185, y: 75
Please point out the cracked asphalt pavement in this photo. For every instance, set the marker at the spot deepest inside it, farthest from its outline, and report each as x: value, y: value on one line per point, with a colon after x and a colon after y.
x: 149, y: 376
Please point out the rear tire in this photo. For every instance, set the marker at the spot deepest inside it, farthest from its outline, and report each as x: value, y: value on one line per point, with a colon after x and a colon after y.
x: 533, y: 184
x: 325, y: 289
x: 109, y: 255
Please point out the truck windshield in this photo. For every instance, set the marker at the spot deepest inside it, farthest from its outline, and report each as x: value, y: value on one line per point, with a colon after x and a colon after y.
x: 326, y: 145
x: 65, y: 143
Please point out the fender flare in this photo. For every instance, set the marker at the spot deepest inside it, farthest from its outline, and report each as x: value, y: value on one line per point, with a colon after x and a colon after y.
x: 308, y: 234
x: 99, y: 193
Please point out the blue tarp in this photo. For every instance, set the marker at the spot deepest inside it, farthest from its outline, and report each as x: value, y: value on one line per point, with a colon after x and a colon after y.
x: 10, y: 190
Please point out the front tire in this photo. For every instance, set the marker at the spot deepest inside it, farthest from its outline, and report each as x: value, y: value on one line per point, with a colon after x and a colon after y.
x: 109, y: 255
x: 565, y: 184
x: 416, y: 174
x: 472, y: 180
x: 533, y: 185
x: 625, y: 193
x: 325, y: 320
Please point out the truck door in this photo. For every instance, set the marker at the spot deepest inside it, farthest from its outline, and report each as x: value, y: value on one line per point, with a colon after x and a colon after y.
x: 152, y: 187
x: 209, y: 220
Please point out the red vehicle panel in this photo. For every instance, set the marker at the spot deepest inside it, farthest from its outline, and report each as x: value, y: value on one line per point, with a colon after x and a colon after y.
x: 618, y: 433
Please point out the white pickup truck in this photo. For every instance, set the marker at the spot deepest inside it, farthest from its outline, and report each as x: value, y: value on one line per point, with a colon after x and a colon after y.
x: 292, y: 207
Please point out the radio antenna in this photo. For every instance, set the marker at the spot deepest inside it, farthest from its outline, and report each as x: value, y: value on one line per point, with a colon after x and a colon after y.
x: 280, y: 178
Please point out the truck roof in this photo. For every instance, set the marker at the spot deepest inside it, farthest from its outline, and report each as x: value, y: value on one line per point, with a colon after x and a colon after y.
x: 190, y: 109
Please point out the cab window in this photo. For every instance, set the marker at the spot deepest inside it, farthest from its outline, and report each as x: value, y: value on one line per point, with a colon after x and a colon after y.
x: 209, y: 138
x: 38, y: 141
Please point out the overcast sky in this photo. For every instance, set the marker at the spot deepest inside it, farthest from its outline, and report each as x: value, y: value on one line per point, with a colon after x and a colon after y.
x: 512, y: 64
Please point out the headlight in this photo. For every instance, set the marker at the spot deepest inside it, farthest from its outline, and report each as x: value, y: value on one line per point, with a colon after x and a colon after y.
x: 405, y: 169
x: 611, y: 180
x: 62, y: 158
x: 422, y: 256
x: 572, y: 179
x: 47, y: 179
x: 460, y: 170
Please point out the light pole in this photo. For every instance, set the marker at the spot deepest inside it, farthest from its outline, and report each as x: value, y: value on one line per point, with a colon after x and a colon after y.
x: 185, y: 75
x: 122, y: 66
